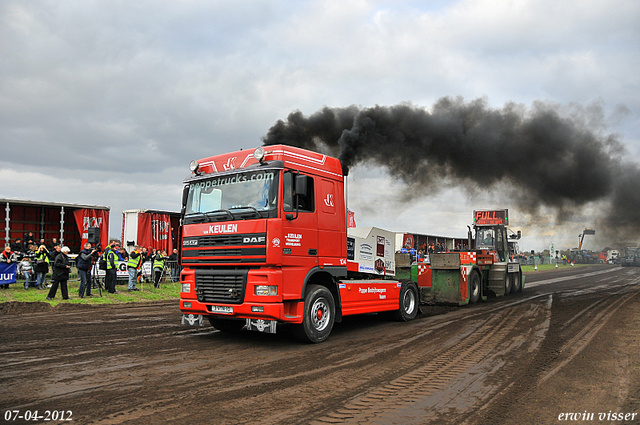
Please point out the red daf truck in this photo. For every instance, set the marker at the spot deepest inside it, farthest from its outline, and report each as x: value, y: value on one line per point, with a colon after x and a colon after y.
x: 264, y: 241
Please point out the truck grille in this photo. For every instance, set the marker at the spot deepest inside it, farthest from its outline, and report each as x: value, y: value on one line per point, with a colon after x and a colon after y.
x: 225, y: 249
x: 221, y: 286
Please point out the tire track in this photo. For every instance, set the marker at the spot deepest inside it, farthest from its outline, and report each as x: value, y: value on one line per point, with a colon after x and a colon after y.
x: 426, y: 380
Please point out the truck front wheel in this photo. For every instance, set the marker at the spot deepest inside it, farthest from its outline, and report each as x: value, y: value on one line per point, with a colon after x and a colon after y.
x: 227, y: 325
x: 319, y: 315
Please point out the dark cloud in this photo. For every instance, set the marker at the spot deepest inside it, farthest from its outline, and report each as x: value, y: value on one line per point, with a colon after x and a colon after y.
x: 546, y: 155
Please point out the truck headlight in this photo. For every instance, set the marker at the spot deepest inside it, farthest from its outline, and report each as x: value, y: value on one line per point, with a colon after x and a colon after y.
x: 186, y: 287
x: 266, y: 290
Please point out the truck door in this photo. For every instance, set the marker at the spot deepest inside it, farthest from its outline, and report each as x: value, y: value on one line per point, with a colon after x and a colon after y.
x: 331, y: 223
x: 299, y: 231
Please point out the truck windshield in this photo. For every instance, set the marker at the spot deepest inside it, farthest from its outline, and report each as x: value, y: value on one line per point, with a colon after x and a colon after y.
x: 241, y: 195
x: 485, y: 239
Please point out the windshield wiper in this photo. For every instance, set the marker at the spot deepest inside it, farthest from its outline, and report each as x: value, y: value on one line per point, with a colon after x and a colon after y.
x: 208, y: 215
x: 248, y: 208
x: 204, y: 215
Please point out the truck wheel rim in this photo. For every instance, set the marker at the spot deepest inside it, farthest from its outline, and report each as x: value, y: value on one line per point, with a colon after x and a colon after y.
x: 320, y: 315
x: 409, y: 302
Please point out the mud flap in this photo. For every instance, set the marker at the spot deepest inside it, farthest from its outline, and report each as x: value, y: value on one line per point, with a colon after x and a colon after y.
x: 192, y: 319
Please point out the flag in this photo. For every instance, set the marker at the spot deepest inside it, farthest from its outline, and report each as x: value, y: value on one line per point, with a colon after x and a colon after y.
x: 351, y: 218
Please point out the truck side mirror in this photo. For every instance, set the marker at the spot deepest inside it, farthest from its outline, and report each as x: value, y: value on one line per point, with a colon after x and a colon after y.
x: 185, y: 196
x: 302, y: 186
x: 519, y: 234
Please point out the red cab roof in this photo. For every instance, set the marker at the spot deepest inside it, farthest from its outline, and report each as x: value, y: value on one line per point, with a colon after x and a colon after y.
x: 293, y: 157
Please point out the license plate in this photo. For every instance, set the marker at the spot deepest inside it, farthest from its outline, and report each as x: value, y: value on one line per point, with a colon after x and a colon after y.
x: 192, y: 319
x: 220, y: 309
x: 264, y: 326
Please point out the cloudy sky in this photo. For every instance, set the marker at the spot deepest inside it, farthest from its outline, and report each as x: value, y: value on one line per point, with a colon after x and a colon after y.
x: 106, y: 102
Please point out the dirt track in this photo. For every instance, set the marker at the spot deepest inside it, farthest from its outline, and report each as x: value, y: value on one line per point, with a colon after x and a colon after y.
x: 569, y: 345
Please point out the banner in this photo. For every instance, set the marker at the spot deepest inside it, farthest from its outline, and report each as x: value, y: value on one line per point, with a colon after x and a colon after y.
x: 407, y: 241
x: 154, y: 230
x: 351, y: 218
x: 86, y: 218
x: 8, y: 273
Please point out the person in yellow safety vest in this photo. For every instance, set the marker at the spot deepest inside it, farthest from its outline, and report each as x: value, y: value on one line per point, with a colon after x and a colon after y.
x: 135, y: 259
x: 158, y: 266
x: 112, y: 267
x: 42, y: 266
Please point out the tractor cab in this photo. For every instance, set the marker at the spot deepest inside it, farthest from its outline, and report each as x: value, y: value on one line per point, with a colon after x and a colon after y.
x: 493, y: 238
x: 492, y: 234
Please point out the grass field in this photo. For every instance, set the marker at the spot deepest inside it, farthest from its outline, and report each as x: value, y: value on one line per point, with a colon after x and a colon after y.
x: 549, y: 267
x: 167, y: 291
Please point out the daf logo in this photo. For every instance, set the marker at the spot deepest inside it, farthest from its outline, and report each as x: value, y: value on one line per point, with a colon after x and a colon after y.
x: 189, y: 242
x: 253, y: 239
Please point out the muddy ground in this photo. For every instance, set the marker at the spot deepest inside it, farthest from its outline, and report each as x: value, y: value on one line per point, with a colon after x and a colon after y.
x: 568, y: 345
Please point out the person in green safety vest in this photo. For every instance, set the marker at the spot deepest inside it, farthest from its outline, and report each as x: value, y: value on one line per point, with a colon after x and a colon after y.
x: 112, y: 266
x: 42, y: 266
x: 133, y: 264
x: 158, y: 266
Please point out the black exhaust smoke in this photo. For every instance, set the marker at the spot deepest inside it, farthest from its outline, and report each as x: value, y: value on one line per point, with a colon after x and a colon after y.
x: 544, y: 157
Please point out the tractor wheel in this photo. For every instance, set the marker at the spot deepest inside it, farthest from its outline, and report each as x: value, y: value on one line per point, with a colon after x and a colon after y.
x: 319, y: 315
x: 474, y: 288
x: 507, y: 284
x: 516, y: 283
x: 408, y: 309
x: 227, y: 325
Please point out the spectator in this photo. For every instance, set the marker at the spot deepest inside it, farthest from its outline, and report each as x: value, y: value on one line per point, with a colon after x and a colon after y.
x: 158, y: 267
x: 42, y: 266
x: 51, y: 245
x: 133, y: 264
x: 29, y: 239
x: 8, y: 256
x: 53, y: 254
x: 30, y: 253
x: 173, y: 264
x: 112, y: 267
x: 123, y: 254
x: 84, y: 270
x: 60, y: 276
x: 27, y: 269
x: 16, y: 246
x: 145, y: 254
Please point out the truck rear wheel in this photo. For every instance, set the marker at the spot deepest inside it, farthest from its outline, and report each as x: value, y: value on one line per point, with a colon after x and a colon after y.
x: 319, y: 315
x: 474, y: 288
x: 408, y: 309
x: 227, y: 325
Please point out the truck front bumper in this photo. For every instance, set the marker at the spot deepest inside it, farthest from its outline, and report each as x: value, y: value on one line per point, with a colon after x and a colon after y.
x: 247, y: 310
